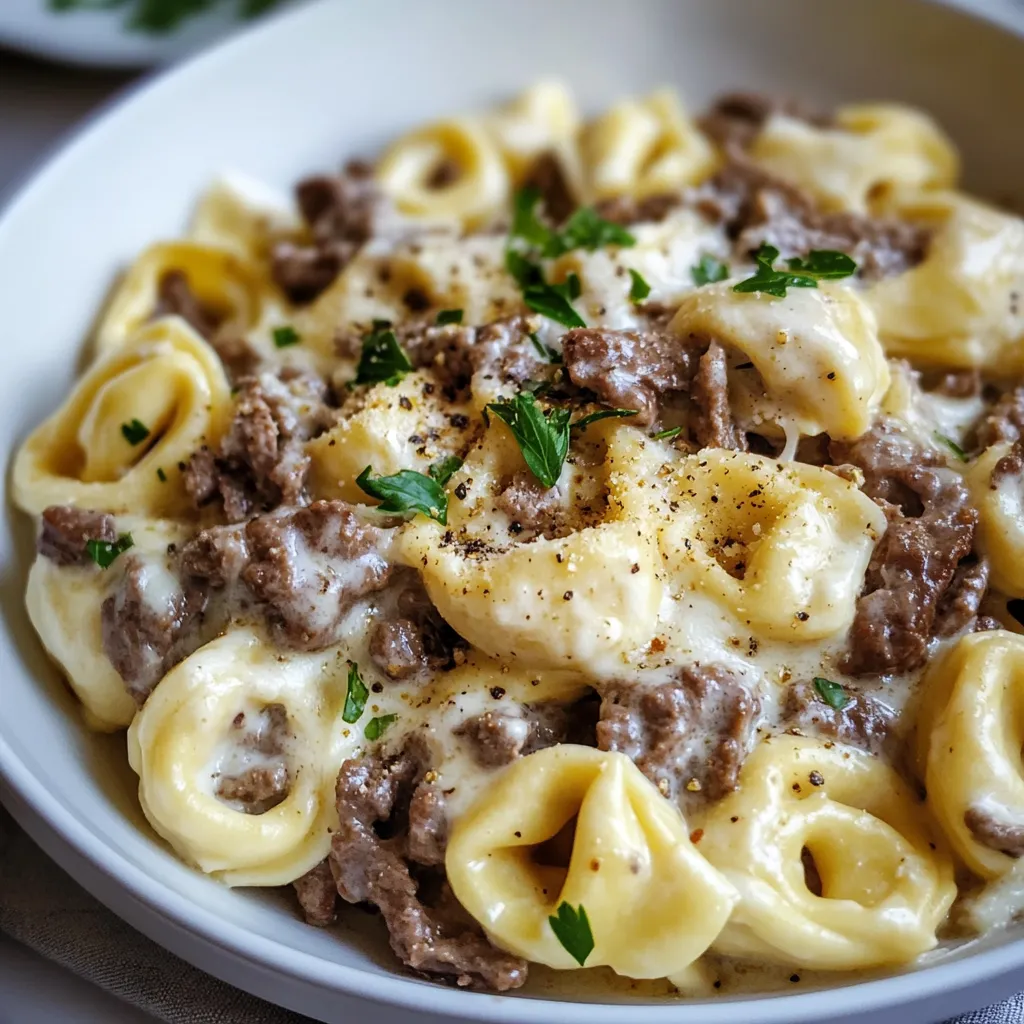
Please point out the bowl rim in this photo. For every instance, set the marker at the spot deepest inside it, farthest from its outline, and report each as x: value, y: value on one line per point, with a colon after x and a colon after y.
x: 405, y: 991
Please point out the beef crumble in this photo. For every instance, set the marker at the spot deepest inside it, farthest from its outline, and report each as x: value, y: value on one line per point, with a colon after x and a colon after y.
x: 712, y: 425
x: 318, y: 895
x: 66, y: 531
x: 987, y: 829
x: 736, y: 119
x: 862, y: 721
x: 262, y: 786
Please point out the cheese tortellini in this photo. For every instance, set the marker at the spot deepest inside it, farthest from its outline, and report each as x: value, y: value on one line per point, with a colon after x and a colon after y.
x: 970, y: 730
x: 999, y: 499
x: 644, y: 147
x: 117, y: 442
x: 818, y: 366
x: 191, y: 734
x: 581, y: 600
x: 65, y: 606
x: 885, y: 882
x: 653, y: 902
x: 870, y: 150
x: 960, y: 307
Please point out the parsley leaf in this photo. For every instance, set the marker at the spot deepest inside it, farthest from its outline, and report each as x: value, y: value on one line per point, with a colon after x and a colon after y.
x: 664, y: 435
x: 952, y: 446
x: 104, y: 552
x: 135, y: 431
x: 709, y: 270
x: 543, y: 439
x: 382, y: 359
x: 376, y: 727
x: 820, y: 264
x: 406, y: 491
x: 449, y: 316
x: 586, y: 229
x: 355, y: 697
x: 639, y: 289
x: 161, y: 475
x: 444, y: 469
x: 831, y: 693
x: 550, y: 300
x: 525, y: 222
x: 546, y: 353
x: 603, y: 414
x: 286, y: 336
x: 572, y: 929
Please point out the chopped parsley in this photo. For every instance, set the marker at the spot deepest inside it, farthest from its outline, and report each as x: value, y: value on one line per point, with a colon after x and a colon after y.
x: 135, y: 431
x: 551, y: 300
x: 543, y: 437
x: 639, y: 289
x: 585, y: 229
x: 286, y: 336
x: 831, y: 693
x: 161, y: 475
x: 604, y: 414
x: 356, y: 697
x: 709, y: 270
x: 952, y: 446
x: 376, y: 727
x: 820, y: 264
x: 548, y: 354
x: 664, y: 435
x: 105, y: 552
x: 406, y: 491
x: 449, y: 316
x: 382, y: 359
x: 572, y: 929
x: 444, y: 469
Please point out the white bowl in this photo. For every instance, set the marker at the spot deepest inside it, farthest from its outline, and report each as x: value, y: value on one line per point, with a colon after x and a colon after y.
x: 300, y: 93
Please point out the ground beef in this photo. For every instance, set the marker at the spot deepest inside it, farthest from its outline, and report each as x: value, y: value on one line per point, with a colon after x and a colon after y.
x: 308, y: 566
x: 627, y: 210
x: 1004, y: 421
x: 529, y: 504
x: 862, y: 722
x: 428, y: 826
x: 217, y: 554
x: 931, y: 529
x: 174, y: 297
x: 547, y: 176
x: 429, y: 931
x: 504, y: 351
x: 957, y: 610
x: 736, y: 119
x: 258, y: 788
x: 1010, y: 465
x: 261, y: 461
x: 755, y: 207
x: 318, y: 895
x: 66, y: 530
x: 342, y: 213
x: 712, y: 423
x: 955, y: 384
x: 627, y: 369
x: 497, y: 738
x: 688, y: 736
x: 1006, y: 837
x: 146, y: 628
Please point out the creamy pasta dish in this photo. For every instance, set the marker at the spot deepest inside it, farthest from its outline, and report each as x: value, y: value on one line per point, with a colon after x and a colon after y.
x: 589, y: 543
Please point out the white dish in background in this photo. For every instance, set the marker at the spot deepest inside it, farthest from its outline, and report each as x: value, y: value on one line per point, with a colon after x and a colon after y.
x: 299, y: 94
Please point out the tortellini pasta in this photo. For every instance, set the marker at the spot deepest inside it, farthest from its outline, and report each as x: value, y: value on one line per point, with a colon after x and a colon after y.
x: 653, y: 903
x: 885, y: 882
x: 644, y: 147
x: 189, y: 731
x: 116, y: 443
x: 970, y: 729
x: 999, y: 499
x: 65, y: 604
x: 818, y: 366
x: 224, y: 282
x: 581, y: 600
x: 960, y: 307
x: 451, y: 170
x: 783, y: 546
x: 870, y: 150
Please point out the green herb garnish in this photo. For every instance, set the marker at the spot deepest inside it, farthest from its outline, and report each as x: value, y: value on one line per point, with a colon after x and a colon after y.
x: 160, y: 16
x: 820, y: 264
x: 376, y: 727
x: 356, y: 697
x: 382, y: 359
x: 831, y: 693
x: 604, y: 414
x: 444, y: 469
x: 572, y: 929
x: 548, y: 354
x: 550, y: 300
x: 406, y: 491
x: 639, y: 289
x: 449, y: 316
x: 952, y: 446
x: 161, y: 475
x: 543, y: 438
x: 104, y: 552
x: 585, y: 229
x: 135, y: 431
x: 286, y: 336
x: 664, y: 435
x: 709, y: 270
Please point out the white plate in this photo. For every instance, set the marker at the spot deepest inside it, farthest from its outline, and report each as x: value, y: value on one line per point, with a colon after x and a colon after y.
x: 101, y: 37
x: 300, y: 93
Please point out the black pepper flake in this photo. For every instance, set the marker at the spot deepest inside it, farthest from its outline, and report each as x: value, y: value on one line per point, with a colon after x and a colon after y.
x: 816, y: 779
x: 518, y: 835
x: 567, y: 596
x: 635, y: 568
x: 515, y: 528
x: 497, y: 692
x: 802, y: 616
x: 460, y: 491
x: 377, y: 687
x: 457, y: 420
x: 717, y: 984
x: 832, y: 375
x: 794, y: 978
x: 404, y: 402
